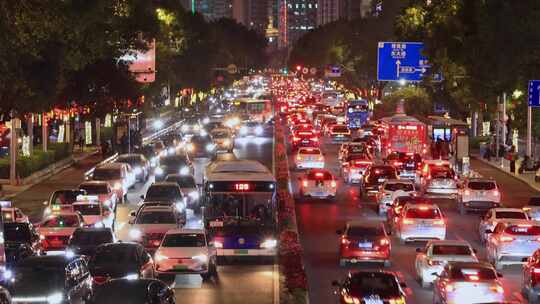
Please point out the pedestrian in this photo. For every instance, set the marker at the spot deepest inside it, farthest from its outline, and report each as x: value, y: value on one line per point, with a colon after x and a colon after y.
x: 511, y: 156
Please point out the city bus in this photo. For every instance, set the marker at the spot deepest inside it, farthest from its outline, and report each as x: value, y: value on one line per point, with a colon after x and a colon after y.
x: 357, y: 113
x: 240, y: 208
x: 259, y: 110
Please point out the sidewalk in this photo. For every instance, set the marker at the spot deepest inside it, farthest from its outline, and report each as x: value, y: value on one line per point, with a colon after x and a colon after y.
x: 503, y: 165
x: 10, y: 191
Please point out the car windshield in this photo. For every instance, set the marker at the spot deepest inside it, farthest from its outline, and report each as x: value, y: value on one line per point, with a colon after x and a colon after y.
x: 67, y: 197
x: 423, y: 213
x: 442, y: 172
x: 163, y: 193
x: 112, y: 255
x: 451, y: 250
x: 64, y: 221
x: 220, y: 134
x: 94, y: 189
x: 16, y: 232
x: 364, y: 231
x: 510, y: 215
x: 86, y: 238
x: 87, y: 209
x: 481, y: 185
x: 184, y: 181
x: 184, y: 240
x: 106, y: 174
x: 399, y: 186
x: 476, y: 273
x: 382, y: 284
x: 383, y: 171
x: 156, y: 217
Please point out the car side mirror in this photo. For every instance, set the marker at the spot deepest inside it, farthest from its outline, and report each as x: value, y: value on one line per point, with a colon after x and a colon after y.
x: 141, y: 196
x: 336, y: 284
x: 475, y: 251
x: 339, y: 232
x: 435, y: 274
x: 133, y: 213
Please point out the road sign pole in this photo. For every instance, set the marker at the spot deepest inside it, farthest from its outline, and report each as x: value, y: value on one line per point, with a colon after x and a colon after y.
x: 529, y: 131
x: 504, y: 129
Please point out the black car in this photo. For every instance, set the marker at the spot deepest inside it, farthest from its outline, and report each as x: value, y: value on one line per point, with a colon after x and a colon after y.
x: 201, y: 146
x: 21, y: 241
x: 49, y: 279
x: 141, y: 291
x: 120, y: 260
x: 84, y: 241
x: 139, y: 164
x: 376, y: 176
x: 173, y: 164
x: 370, y: 287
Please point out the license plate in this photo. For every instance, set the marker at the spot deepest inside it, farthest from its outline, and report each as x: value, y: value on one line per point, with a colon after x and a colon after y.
x: 240, y: 251
x: 365, y: 245
x: 305, y: 141
x: 180, y: 267
x: 381, y: 180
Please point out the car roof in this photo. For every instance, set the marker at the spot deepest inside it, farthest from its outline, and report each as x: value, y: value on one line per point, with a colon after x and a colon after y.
x: 121, y: 245
x: 155, y: 208
x: 47, y: 260
x: 164, y: 184
x: 421, y: 205
x: 186, y: 231
x: 86, y: 203
x: 130, y: 155
x: 93, y: 229
x: 513, y: 222
x: 470, y: 264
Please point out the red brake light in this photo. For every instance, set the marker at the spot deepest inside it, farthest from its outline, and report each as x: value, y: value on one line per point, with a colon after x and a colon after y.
x: 319, y: 174
x: 384, y: 242
x: 467, y: 192
x: 314, y: 139
x: 333, y: 184
x: 345, y: 241
x: 496, y: 192
x: 305, y: 183
x: 505, y: 239
x: 439, y: 222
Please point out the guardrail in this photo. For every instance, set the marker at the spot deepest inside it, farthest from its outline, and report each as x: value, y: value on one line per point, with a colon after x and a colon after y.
x: 148, y: 139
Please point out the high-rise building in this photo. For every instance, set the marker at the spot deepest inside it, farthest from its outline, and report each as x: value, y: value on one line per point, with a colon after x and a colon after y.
x: 352, y: 9
x: 329, y: 11
x: 296, y: 17
x: 252, y: 13
x: 210, y: 9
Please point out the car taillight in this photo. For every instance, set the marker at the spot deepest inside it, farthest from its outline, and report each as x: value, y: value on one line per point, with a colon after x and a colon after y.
x: 333, y: 184
x: 505, y: 239
x: 496, y: 192
x: 497, y: 288
x: 407, y: 221
x: 400, y: 300
x: 296, y: 138
x: 345, y: 241
x: 384, y: 242
x: 350, y: 300
x: 99, y: 279
x: 433, y: 262
x: 535, y: 275
x: 467, y: 192
x: 321, y: 158
x: 305, y: 183
x: 398, y: 163
x: 439, y: 223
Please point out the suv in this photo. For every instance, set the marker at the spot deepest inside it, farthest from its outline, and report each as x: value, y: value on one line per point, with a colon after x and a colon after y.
x: 479, y: 194
x: 118, y: 175
x: 150, y: 224
x: 375, y: 176
x: 370, y: 287
x: 364, y: 241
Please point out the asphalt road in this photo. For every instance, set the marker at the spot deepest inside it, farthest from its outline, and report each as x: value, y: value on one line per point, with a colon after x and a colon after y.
x: 238, y: 281
x: 318, y: 221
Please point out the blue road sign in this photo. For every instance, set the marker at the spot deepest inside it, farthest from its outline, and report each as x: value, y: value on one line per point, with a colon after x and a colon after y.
x: 534, y: 93
x: 402, y: 61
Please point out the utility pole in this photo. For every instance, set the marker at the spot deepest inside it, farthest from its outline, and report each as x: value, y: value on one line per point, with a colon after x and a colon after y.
x: 529, y: 131
x: 504, y: 129
x: 497, y: 128
x: 13, y: 150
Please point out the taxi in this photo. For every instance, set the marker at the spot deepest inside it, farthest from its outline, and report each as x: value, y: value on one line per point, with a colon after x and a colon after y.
x: 495, y: 216
x: 186, y: 251
x: 512, y: 242
x: 309, y: 158
x: 468, y: 283
x: 421, y: 223
x: 364, y: 241
x: 431, y: 259
x: 318, y: 183
x: 95, y: 214
x: 12, y: 214
x: 100, y: 191
x: 56, y: 229
x: 479, y: 194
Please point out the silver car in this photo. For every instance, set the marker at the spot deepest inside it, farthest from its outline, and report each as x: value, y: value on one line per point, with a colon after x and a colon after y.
x: 497, y: 215
x: 512, y: 242
x: 421, y: 222
x: 442, y: 182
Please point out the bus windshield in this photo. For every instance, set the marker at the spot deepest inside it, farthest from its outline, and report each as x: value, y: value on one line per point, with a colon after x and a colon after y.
x: 250, y: 205
x: 357, y: 108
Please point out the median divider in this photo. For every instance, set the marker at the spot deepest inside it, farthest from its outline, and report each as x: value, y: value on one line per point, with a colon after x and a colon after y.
x: 293, y: 280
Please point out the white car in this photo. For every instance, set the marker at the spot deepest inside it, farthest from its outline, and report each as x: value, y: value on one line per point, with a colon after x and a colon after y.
x: 318, y: 183
x: 188, y: 186
x: 186, y: 251
x: 468, y: 283
x: 436, y: 254
x: 497, y: 215
x: 101, y: 190
x: 118, y: 175
x: 479, y: 195
x: 150, y: 223
x: 309, y: 158
x: 421, y: 222
x: 95, y: 214
x: 385, y: 194
x: 441, y: 182
x: 512, y: 242
x: 533, y: 208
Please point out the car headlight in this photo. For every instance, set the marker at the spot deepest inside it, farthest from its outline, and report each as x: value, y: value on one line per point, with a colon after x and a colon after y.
x: 7, y: 274
x: 159, y: 171
x: 226, y: 142
x: 180, y: 206
x: 117, y: 186
x: 131, y: 276
x: 203, y: 258
x: 259, y: 130
x: 135, y: 234
x: 194, y: 195
x: 209, y: 147
x: 171, y: 150
x: 137, y: 170
x: 47, y: 211
x: 243, y: 130
x: 269, y: 244
x: 203, y: 133
x: 206, y: 120
x: 158, y: 257
x: 55, y: 298
x: 184, y: 128
x: 184, y: 170
x: 69, y: 253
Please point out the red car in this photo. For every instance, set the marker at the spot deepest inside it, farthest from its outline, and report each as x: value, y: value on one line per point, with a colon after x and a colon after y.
x: 304, y: 139
x: 364, y: 241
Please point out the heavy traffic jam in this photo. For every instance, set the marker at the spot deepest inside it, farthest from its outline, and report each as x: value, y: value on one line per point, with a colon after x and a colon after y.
x: 378, y: 198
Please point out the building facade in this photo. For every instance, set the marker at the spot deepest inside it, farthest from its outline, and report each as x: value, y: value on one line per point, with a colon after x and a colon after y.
x: 329, y: 11
x: 296, y: 17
